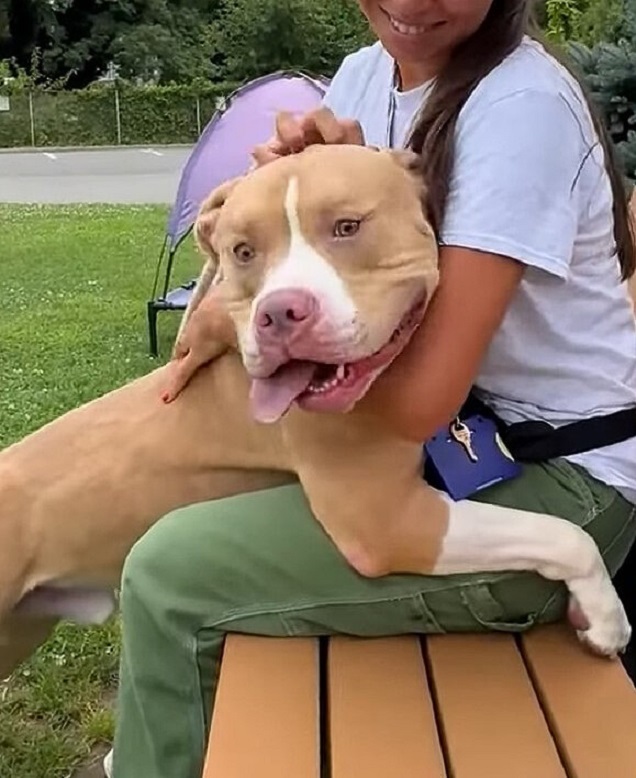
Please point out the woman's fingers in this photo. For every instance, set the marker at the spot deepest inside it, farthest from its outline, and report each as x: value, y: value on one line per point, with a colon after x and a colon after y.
x: 290, y: 132
x: 293, y: 135
x: 323, y: 124
x: 289, y: 139
x: 268, y: 152
x: 353, y: 132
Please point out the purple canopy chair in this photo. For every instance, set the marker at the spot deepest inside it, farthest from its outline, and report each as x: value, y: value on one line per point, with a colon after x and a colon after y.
x: 222, y: 152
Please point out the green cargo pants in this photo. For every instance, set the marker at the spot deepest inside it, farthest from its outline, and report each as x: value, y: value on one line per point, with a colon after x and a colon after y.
x: 261, y: 564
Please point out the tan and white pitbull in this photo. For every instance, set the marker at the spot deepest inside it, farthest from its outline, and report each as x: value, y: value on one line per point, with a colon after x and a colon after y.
x: 326, y: 266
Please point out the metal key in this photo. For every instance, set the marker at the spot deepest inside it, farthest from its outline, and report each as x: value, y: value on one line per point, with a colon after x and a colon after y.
x: 461, y: 433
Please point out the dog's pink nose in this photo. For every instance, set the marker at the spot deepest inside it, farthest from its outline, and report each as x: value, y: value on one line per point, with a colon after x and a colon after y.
x: 285, y: 312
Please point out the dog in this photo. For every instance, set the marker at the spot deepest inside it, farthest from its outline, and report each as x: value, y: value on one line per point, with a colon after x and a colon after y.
x: 325, y: 263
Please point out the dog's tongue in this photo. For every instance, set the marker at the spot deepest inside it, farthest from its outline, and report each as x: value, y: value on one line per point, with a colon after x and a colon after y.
x: 271, y: 397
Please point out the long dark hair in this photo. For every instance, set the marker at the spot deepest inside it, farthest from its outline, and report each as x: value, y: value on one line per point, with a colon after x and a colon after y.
x: 434, y: 134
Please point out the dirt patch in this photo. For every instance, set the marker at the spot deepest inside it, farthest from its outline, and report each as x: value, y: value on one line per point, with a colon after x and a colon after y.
x: 93, y: 767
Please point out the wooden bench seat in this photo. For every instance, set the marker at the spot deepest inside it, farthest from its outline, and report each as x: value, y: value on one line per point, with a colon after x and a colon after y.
x: 466, y: 706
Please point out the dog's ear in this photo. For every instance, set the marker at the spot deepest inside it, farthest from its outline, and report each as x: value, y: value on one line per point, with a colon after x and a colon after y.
x: 412, y: 163
x: 204, y: 227
x: 207, y: 218
x: 407, y: 159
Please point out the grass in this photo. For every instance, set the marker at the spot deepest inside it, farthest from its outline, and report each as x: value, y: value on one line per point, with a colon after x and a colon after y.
x: 74, y: 281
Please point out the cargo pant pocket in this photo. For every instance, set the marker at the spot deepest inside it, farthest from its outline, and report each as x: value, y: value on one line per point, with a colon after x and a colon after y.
x: 491, y: 613
x: 479, y: 605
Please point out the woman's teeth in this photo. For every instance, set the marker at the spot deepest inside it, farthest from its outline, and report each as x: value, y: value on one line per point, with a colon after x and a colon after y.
x: 407, y: 29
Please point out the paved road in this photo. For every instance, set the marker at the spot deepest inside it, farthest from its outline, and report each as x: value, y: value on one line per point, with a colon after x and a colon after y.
x: 144, y: 175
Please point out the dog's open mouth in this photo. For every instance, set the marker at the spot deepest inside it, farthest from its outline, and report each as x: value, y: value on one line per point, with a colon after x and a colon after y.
x: 319, y: 386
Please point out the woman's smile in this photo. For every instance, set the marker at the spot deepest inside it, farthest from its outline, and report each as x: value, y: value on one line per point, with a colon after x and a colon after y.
x: 411, y: 27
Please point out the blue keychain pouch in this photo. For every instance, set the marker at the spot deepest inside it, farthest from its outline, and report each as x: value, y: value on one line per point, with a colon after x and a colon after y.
x: 462, y: 470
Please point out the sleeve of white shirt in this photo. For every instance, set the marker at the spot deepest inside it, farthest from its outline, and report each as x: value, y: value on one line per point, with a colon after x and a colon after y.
x: 338, y: 97
x: 513, y: 191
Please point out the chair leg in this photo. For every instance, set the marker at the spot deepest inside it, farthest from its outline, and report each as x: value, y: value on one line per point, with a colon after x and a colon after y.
x: 152, y: 329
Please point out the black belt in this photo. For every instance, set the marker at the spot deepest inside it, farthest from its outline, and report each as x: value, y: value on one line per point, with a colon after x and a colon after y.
x: 538, y: 441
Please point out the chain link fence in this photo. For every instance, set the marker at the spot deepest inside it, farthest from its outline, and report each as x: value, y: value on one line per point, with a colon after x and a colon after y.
x: 108, y: 116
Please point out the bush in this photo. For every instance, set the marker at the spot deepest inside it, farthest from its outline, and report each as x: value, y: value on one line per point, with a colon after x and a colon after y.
x: 610, y: 72
x: 600, y: 39
x: 167, y: 114
x: 148, y: 115
x: 585, y: 21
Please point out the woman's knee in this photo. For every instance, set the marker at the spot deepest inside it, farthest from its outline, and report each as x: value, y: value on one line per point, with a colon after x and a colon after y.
x: 164, y: 557
x: 191, y: 560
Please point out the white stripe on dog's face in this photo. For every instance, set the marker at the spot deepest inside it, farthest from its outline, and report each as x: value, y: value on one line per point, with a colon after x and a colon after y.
x: 305, y: 268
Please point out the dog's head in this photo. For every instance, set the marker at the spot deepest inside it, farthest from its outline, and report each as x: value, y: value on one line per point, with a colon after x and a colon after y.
x: 328, y: 262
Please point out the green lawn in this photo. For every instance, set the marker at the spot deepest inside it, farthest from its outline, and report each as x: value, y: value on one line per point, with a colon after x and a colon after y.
x: 74, y: 281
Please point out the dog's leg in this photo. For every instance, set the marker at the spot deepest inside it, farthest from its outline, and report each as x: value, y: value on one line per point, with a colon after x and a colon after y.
x: 210, y: 276
x: 483, y: 537
x: 471, y: 537
x: 208, y: 333
x: 396, y: 523
x: 20, y: 635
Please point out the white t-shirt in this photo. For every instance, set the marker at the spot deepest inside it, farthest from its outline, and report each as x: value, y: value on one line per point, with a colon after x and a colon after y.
x: 528, y: 183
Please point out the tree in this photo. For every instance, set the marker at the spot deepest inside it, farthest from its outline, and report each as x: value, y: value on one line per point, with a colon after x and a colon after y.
x: 169, y: 42
x: 76, y: 40
x: 585, y: 21
x: 253, y: 37
x: 609, y: 69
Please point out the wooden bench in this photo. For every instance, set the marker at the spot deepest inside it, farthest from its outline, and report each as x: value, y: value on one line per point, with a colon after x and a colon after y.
x: 466, y: 706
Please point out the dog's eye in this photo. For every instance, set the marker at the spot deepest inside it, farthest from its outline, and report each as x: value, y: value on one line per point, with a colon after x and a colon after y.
x: 346, y: 228
x: 244, y: 253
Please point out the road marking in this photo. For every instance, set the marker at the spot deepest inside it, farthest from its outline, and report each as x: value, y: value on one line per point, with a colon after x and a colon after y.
x: 49, y: 155
x: 152, y: 151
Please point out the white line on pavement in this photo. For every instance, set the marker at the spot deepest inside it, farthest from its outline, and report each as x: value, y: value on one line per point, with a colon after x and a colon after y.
x: 49, y: 155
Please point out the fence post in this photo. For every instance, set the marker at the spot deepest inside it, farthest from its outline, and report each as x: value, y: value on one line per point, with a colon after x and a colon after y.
x: 32, y: 118
x: 198, y: 116
x: 118, y: 116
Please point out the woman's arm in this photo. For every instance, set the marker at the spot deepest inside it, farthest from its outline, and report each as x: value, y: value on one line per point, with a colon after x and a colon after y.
x: 427, y: 384
x: 513, y: 203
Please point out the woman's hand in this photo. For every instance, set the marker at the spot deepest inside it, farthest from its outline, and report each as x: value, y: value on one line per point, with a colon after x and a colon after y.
x: 295, y: 134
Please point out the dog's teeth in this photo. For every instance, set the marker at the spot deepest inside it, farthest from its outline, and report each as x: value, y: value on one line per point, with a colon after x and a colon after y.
x: 341, y: 372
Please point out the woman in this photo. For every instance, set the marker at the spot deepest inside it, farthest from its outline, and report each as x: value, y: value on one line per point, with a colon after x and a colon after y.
x: 532, y: 306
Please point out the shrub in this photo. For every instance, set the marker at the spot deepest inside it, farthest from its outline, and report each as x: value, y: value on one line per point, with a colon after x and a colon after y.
x: 88, y: 117
x: 609, y: 69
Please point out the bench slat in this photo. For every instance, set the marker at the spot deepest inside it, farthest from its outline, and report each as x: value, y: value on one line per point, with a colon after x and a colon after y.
x: 381, y: 717
x: 490, y: 716
x: 266, y: 714
x: 590, y: 702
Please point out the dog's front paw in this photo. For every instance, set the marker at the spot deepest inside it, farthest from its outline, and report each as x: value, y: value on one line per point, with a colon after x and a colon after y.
x: 179, y: 373
x: 608, y: 630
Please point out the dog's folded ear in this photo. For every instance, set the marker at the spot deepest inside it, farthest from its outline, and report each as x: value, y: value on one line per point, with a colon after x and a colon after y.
x: 205, y: 223
x: 411, y: 161
x: 407, y: 159
x: 204, y: 227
